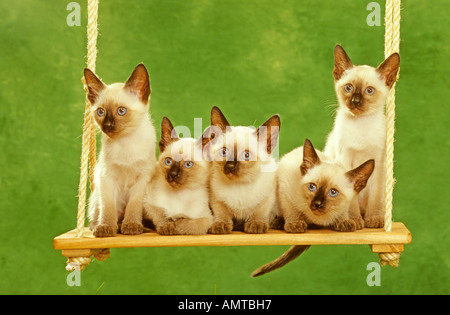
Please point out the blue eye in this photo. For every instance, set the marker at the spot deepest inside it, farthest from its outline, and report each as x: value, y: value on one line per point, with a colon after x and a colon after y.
x: 188, y: 164
x: 333, y: 192
x: 246, y: 155
x: 168, y: 161
x: 348, y: 88
x: 101, y: 112
x: 121, y: 111
x: 224, y: 152
x: 312, y: 187
x: 369, y: 90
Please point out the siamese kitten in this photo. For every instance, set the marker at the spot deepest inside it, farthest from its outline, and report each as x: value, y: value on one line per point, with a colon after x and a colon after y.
x: 359, y: 131
x: 176, y: 199
x: 314, y: 192
x: 242, y: 186
x: 127, y: 156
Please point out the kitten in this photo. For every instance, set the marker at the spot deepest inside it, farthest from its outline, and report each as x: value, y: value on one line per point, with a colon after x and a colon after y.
x: 359, y: 131
x: 176, y: 199
x: 314, y: 192
x: 242, y: 186
x: 127, y: 157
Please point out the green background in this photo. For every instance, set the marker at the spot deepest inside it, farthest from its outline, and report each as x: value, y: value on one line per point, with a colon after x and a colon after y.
x: 252, y: 58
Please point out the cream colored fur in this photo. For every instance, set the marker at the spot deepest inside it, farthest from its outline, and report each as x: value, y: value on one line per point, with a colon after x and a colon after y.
x: 251, y: 196
x: 186, y: 207
x: 125, y: 164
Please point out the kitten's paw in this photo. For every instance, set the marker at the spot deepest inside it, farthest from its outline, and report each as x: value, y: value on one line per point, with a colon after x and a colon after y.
x: 345, y: 226
x: 375, y: 221
x: 105, y: 230
x: 167, y: 229
x: 221, y: 228
x: 296, y: 227
x: 131, y: 228
x: 359, y: 223
x: 253, y: 227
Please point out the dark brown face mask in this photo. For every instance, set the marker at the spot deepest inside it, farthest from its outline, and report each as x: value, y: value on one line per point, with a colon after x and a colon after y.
x: 174, y: 173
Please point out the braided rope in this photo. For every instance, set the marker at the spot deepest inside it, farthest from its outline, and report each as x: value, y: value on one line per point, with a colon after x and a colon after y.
x: 391, y: 45
x: 391, y: 259
x: 88, y: 146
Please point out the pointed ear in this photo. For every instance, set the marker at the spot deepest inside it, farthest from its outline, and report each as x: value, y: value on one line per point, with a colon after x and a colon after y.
x: 218, y: 119
x: 139, y: 83
x: 310, y: 157
x: 341, y: 62
x: 94, y: 84
x: 207, y: 136
x: 388, y: 69
x: 168, y: 134
x: 360, y: 175
x: 269, y: 131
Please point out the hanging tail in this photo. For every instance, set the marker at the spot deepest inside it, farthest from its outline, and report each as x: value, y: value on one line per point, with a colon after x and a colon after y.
x: 288, y: 256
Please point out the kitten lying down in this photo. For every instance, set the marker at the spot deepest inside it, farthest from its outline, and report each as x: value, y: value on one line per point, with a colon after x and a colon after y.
x: 314, y: 192
x: 176, y: 199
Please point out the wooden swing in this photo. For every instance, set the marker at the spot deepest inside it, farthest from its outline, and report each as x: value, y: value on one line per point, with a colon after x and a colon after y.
x: 79, y: 245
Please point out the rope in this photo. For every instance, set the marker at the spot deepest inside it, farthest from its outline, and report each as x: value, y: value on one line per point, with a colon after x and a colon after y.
x: 88, y: 146
x: 391, y: 259
x: 391, y: 45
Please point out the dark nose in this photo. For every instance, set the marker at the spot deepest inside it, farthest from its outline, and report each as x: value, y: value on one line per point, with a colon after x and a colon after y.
x: 317, y: 204
x: 108, y: 123
x: 356, y: 99
x: 174, y: 173
x: 230, y: 166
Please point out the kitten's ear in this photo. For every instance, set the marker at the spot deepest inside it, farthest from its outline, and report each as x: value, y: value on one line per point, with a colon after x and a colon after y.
x: 269, y: 132
x: 310, y: 157
x: 341, y: 62
x: 94, y: 84
x: 388, y: 69
x: 360, y: 175
x: 139, y: 83
x: 207, y: 136
x: 168, y: 134
x: 218, y: 119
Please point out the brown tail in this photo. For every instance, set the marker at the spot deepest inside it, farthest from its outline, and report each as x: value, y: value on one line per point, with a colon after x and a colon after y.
x: 288, y: 256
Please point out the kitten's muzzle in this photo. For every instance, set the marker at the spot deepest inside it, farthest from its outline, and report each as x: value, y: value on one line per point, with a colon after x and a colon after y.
x: 356, y: 100
x: 108, y: 124
x: 231, y: 167
x: 174, y: 174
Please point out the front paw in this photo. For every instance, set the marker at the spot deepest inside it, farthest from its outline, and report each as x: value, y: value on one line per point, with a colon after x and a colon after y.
x: 253, y: 227
x: 359, y: 223
x: 221, y: 227
x: 168, y: 228
x: 131, y: 228
x: 299, y: 226
x: 345, y: 226
x: 375, y: 221
x: 105, y: 230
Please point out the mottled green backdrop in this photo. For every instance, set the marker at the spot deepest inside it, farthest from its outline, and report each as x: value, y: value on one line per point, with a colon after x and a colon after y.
x: 252, y: 58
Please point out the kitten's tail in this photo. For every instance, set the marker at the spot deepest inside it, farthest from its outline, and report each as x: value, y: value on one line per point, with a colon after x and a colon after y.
x: 288, y: 256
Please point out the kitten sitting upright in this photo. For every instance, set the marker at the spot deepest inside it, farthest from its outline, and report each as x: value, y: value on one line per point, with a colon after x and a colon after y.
x: 242, y: 187
x: 314, y: 192
x: 359, y: 131
x: 127, y: 157
x: 176, y: 199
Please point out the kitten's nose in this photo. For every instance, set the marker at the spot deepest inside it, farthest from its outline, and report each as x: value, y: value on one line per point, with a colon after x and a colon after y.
x: 356, y: 99
x: 230, y: 167
x: 174, y: 173
x: 317, y: 204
